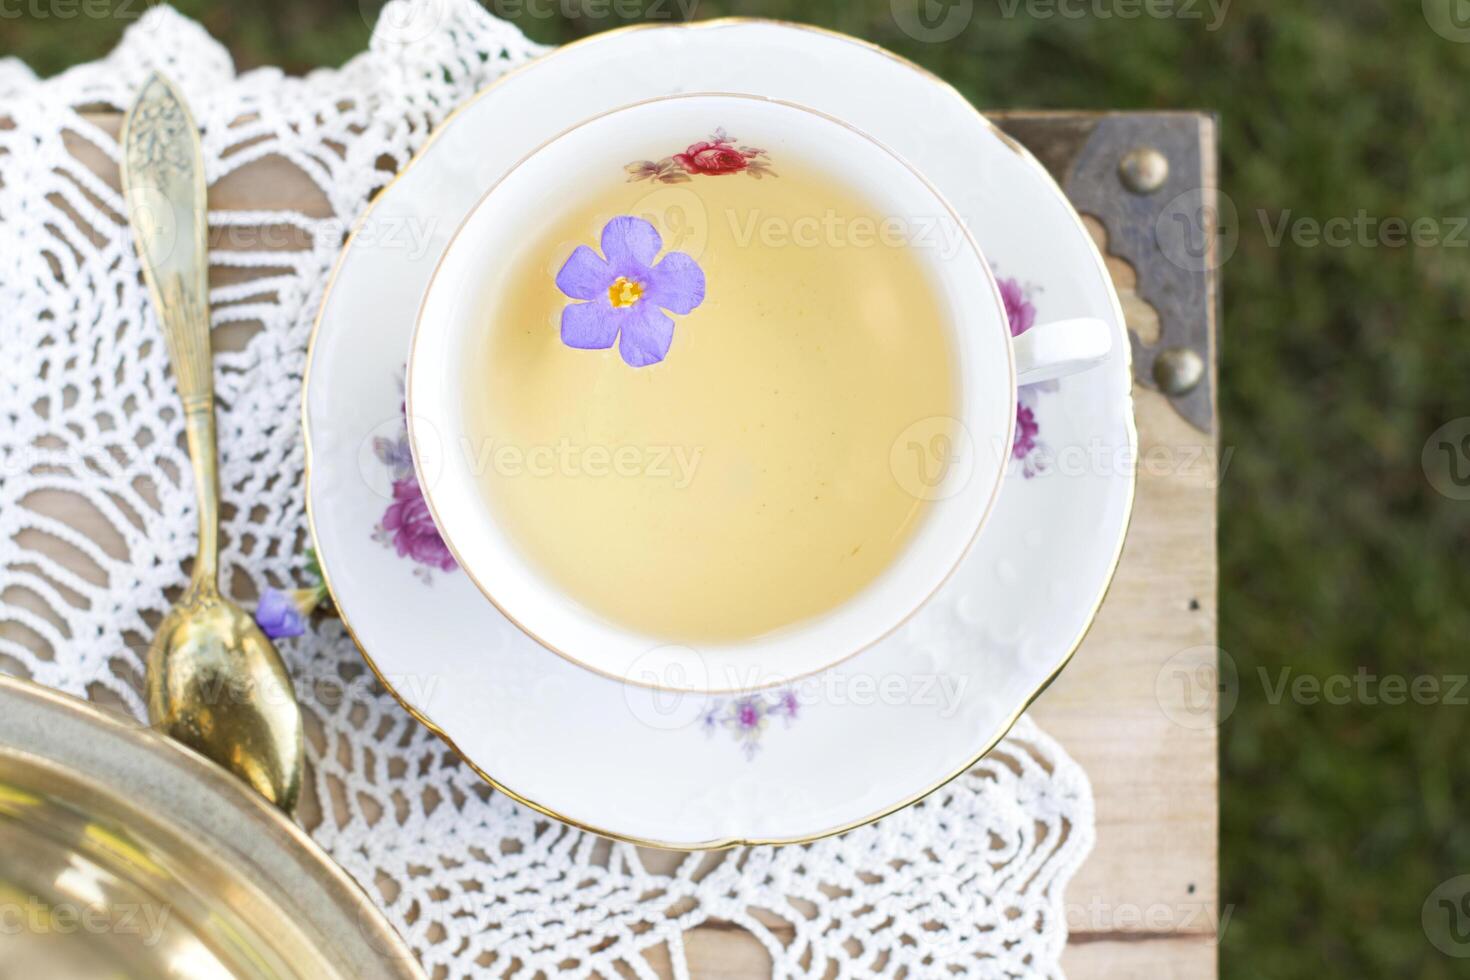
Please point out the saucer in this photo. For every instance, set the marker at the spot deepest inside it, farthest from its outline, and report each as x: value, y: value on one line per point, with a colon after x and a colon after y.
x: 792, y: 764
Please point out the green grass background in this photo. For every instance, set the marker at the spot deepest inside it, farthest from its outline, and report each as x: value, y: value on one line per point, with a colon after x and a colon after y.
x: 1338, y: 362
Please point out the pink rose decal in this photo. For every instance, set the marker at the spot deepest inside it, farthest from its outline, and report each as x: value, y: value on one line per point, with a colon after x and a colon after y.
x: 1019, y: 311
x: 1026, y: 431
x: 1028, y: 450
x: 406, y: 525
x: 407, y: 519
x: 713, y: 157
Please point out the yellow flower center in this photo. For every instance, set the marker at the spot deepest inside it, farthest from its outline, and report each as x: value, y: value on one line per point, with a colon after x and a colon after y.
x: 624, y: 292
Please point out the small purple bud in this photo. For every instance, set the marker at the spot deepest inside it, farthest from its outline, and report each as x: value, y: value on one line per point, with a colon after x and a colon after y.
x: 278, y: 616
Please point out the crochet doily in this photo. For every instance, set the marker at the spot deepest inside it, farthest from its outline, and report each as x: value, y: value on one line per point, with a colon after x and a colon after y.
x: 970, y: 882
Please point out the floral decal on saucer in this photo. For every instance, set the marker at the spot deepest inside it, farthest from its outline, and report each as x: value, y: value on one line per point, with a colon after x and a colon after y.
x: 1028, y: 450
x: 406, y: 525
x: 712, y: 157
x: 626, y: 293
x: 746, y: 718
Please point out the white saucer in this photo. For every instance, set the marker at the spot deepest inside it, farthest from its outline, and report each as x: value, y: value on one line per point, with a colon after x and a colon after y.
x: 834, y: 751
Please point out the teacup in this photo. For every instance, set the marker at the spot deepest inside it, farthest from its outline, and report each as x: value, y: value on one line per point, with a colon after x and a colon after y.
x: 987, y: 365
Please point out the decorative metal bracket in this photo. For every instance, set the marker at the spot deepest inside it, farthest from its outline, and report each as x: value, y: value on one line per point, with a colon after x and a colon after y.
x: 1150, y: 179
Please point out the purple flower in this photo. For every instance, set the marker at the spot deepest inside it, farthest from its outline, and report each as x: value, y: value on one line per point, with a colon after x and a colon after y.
x: 747, y: 713
x: 278, y: 616
x: 413, y: 530
x: 1019, y: 310
x: 746, y: 718
x: 626, y: 292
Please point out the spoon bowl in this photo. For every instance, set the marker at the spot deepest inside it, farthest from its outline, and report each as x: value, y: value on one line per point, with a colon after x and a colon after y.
x: 217, y: 684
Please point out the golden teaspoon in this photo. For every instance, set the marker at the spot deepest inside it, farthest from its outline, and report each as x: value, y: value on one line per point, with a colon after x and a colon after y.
x: 215, y: 682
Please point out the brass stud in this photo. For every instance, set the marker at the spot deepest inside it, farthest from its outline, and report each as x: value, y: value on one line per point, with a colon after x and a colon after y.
x: 1144, y: 170
x: 1178, y: 370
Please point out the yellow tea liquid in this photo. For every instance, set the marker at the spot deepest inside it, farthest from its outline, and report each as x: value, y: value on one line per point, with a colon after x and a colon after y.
x: 744, y: 483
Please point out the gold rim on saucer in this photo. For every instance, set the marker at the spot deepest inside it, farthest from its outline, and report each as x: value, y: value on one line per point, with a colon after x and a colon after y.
x: 1126, y: 392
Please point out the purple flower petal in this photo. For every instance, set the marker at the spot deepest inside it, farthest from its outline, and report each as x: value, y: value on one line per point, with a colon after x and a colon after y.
x: 647, y: 334
x: 676, y: 283
x: 277, y: 616
x: 584, y: 275
x: 630, y: 244
x: 590, y: 326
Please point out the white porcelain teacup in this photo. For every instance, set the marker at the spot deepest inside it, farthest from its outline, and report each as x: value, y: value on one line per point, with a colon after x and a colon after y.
x: 988, y: 365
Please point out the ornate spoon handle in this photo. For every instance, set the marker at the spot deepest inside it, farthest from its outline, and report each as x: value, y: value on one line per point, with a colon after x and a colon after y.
x: 163, y: 180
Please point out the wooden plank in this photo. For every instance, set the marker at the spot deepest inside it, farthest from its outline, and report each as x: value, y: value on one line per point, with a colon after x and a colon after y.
x: 1152, y: 762
x: 1182, y: 958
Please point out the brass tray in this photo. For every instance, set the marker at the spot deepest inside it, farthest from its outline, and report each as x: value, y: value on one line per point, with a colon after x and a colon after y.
x: 125, y: 855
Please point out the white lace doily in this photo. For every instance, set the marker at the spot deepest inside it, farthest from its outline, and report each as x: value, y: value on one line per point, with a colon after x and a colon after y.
x: 96, y: 522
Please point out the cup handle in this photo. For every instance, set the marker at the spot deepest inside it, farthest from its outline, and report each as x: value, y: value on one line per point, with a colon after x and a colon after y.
x: 1062, y: 347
